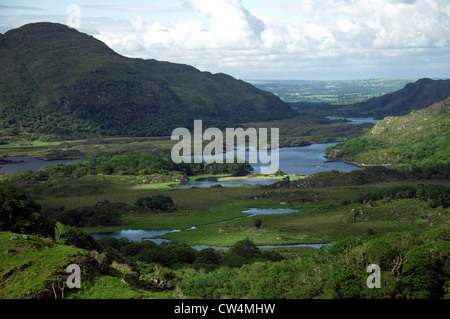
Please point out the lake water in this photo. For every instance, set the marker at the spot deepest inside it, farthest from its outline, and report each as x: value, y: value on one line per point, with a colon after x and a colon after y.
x: 23, y: 163
x: 305, y: 160
x: 137, y: 234
x: 354, y: 120
x: 294, y: 160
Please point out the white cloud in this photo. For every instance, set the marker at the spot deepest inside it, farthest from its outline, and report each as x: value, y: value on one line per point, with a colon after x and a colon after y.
x: 279, y: 37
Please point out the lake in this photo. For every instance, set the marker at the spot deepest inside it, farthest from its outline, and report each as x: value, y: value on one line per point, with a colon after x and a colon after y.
x: 305, y: 160
x: 354, y: 120
x: 293, y: 160
x: 24, y: 163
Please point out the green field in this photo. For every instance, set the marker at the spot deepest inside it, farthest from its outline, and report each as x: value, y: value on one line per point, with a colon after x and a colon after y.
x: 217, y: 212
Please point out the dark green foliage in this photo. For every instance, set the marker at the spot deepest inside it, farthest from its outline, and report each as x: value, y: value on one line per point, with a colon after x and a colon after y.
x: 425, y: 271
x: 142, y: 165
x: 158, y: 202
x: 68, y: 235
x: 345, y: 283
x: 436, y: 195
x: 101, y: 214
x: 176, y: 255
x: 413, y: 265
x: 335, y: 178
x: 245, y: 252
x: 417, y: 141
x: 19, y: 213
x: 56, y: 80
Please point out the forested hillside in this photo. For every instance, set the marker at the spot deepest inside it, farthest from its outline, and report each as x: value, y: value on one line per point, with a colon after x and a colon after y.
x: 420, y: 138
x: 56, y: 80
x: 414, y: 96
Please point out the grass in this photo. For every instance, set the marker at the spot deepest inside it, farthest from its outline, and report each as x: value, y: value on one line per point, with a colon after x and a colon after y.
x: 310, y: 225
x: 84, y: 148
x: 257, y: 176
x: 206, y: 207
x: 33, y: 263
x: 321, y: 219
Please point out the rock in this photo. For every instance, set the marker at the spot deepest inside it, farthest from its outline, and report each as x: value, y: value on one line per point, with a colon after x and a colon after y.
x: 24, y: 266
x: 6, y: 275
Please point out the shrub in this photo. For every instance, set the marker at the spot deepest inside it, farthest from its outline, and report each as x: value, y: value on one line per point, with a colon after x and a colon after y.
x: 20, y: 214
x: 158, y: 202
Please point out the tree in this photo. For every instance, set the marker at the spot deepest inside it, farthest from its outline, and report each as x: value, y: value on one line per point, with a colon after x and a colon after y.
x: 19, y: 213
x: 68, y: 235
x: 158, y: 202
x: 425, y: 271
x: 245, y: 248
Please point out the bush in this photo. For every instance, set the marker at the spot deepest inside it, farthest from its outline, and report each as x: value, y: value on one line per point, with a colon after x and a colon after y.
x: 158, y: 202
x: 20, y: 214
x: 101, y: 214
x: 425, y: 271
x: 68, y: 235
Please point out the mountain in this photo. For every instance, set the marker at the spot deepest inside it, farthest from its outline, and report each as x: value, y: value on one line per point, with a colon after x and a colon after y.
x: 414, y: 96
x: 57, y: 80
x: 420, y: 138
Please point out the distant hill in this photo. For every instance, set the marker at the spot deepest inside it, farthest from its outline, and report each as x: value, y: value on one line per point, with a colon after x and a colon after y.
x: 56, y: 80
x: 419, y: 138
x: 414, y: 96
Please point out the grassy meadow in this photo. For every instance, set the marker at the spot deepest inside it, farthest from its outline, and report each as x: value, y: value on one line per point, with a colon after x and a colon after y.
x: 217, y: 213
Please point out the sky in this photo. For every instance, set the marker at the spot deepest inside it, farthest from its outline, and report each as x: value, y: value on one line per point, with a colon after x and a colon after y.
x: 263, y: 39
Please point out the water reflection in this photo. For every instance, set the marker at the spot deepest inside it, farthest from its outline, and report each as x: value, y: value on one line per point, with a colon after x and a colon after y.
x: 302, y: 160
x: 18, y: 164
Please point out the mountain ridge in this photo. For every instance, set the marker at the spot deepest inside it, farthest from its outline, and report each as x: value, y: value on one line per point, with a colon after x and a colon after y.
x: 60, y: 81
x: 413, y: 96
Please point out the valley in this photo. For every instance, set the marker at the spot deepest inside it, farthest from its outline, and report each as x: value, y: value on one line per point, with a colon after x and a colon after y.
x: 358, y: 193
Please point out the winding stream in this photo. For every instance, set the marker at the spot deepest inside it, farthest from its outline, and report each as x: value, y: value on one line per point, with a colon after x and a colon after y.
x: 154, y: 235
